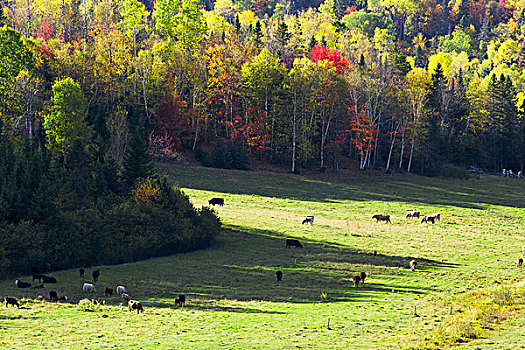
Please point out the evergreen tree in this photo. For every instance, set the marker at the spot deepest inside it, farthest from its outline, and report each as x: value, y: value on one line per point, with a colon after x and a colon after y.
x: 421, y: 59
x: 257, y: 34
x: 237, y: 23
x: 137, y: 163
x: 361, y: 62
x: 402, y: 64
x: 312, y: 42
x: 323, y: 41
x: 282, y: 35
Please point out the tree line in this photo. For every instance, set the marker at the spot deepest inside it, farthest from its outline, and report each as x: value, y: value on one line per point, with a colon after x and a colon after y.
x: 404, y: 85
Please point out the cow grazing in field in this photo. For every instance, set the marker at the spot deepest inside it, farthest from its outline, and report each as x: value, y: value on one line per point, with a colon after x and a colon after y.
x: 88, y: 287
x: 135, y: 305
x: 436, y: 216
x: 413, y: 265
x: 180, y: 300
x: 216, y: 201
x: 62, y: 298
x: 53, y: 295
x: 293, y: 243
x: 381, y: 217
x: 121, y: 289
x: 96, y: 275
x: 82, y: 271
x: 125, y: 298
x: 428, y: 219
x: 279, y: 275
x: 20, y: 284
x: 308, y: 219
x: 362, y: 276
x: 412, y: 214
x: 356, y: 279
x: 37, y: 277
x: 48, y: 279
x: 519, y: 262
x: 108, y: 291
x: 11, y: 301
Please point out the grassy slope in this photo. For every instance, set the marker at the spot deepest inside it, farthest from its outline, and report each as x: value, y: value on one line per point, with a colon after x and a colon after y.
x: 234, y: 300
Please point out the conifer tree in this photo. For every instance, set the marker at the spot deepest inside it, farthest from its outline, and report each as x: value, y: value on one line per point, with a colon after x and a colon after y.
x: 137, y: 163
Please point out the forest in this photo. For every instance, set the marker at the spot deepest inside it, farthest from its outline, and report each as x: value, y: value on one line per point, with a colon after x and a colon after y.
x: 405, y: 85
x: 92, y: 92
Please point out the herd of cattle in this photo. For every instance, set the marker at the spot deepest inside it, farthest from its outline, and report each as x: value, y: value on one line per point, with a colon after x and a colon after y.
x: 86, y: 288
x: 181, y: 299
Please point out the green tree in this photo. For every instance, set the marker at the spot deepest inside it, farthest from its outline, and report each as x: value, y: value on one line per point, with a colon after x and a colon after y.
x: 283, y: 35
x: 257, y: 34
x: 66, y: 122
x: 137, y: 162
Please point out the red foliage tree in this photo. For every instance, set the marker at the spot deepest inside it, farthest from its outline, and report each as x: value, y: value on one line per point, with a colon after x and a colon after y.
x: 321, y: 53
x: 171, y: 119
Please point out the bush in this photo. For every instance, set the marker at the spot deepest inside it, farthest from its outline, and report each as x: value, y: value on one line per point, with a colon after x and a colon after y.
x: 452, y: 171
x: 203, y: 157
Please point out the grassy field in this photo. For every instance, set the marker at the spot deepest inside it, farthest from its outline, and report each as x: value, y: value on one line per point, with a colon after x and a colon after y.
x: 234, y: 300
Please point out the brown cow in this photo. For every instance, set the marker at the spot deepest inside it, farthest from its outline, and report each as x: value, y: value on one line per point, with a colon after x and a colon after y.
x: 135, y: 305
x: 381, y: 217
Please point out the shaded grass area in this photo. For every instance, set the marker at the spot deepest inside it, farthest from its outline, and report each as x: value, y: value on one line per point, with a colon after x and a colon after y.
x: 234, y: 300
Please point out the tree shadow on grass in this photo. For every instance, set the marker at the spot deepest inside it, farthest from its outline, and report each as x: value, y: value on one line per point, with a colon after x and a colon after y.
x: 245, y: 271
x: 470, y: 193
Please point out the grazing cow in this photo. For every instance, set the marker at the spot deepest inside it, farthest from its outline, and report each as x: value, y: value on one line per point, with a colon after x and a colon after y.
x: 279, y: 275
x: 308, y: 219
x: 96, y: 275
x: 108, y: 292
x: 88, y: 287
x: 135, y: 305
x: 53, y: 295
x: 412, y: 214
x: 293, y: 243
x: 356, y: 279
x: 11, y: 301
x: 82, y: 271
x: 180, y: 300
x: 40, y: 286
x: 436, y: 216
x: 48, y: 279
x: 413, y: 265
x: 121, y: 289
x: 37, y: 277
x: 519, y: 262
x: 428, y: 219
x: 125, y: 298
x: 21, y: 284
x: 362, y: 276
x: 62, y: 298
x: 380, y: 217
x: 216, y: 201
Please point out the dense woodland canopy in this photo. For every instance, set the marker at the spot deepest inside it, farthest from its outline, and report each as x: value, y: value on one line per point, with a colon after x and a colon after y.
x: 393, y: 84
x: 91, y: 89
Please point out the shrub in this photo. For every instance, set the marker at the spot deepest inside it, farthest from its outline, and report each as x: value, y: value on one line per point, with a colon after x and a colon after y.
x: 452, y: 171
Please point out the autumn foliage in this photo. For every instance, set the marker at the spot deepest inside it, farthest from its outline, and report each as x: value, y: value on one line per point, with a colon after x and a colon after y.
x: 333, y: 57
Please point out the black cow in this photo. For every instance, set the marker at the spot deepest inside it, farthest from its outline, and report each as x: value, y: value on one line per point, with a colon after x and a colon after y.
x: 11, y: 301
x: 293, y: 243
x: 82, y: 270
x: 21, y: 284
x: 279, y: 275
x: 180, y: 300
x: 53, y: 295
x: 218, y: 201
x: 48, y: 279
x: 96, y: 275
x: 38, y: 277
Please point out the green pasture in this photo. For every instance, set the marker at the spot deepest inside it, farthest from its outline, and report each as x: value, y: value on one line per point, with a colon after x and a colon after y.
x: 235, y: 302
